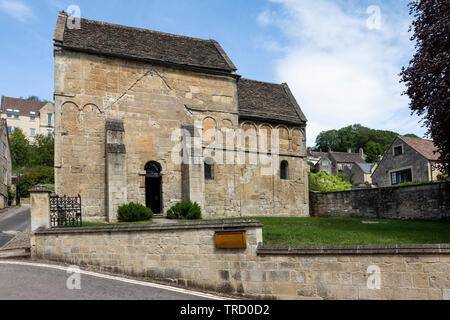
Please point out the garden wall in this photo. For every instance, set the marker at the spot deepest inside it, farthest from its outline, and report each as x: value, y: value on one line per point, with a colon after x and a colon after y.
x: 421, y: 202
x: 185, y: 254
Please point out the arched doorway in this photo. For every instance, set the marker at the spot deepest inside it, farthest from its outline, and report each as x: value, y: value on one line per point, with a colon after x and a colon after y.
x: 153, y: 187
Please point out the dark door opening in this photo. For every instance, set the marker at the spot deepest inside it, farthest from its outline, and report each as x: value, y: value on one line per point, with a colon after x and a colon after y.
x: 153, y: 194
x: 153, y: 187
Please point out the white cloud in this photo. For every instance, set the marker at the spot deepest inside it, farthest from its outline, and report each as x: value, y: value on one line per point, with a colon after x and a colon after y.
x: 16, y: 9
x: 341, y: 71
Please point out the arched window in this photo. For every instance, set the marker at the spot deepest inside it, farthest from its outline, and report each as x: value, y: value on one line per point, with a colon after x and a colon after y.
x: 209, y: 169
x: 284, y: 170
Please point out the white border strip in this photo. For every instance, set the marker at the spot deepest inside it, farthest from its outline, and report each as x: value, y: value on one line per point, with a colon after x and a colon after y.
x: 115, y: 278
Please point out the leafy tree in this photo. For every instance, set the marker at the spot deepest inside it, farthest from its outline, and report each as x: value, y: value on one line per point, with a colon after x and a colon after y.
x: 373, y: 150
x: 42, y: 150
x: 20, y: 149
x: 427, y: 77
x: 374, y: 142
x: 323, y: 182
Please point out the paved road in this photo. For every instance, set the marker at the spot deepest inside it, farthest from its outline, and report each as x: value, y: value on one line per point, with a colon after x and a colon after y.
x: 12, y: 222
x: 22, y: 281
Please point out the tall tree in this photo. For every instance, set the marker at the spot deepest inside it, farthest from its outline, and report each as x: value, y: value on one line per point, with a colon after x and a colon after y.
x: 20, y: 149
x: 427, y: 77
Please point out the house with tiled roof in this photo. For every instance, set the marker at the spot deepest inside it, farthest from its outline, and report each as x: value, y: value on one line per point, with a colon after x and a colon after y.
x: 333, y: 162
x: 32, y: 117
x: 129, y: 100
x: 408, y: 160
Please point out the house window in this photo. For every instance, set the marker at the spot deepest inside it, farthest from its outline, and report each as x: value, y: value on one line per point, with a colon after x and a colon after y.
x: 16, y: 129
x: 16, y: 116
x: 9, y: 129
x: 32, y: 118
x: 398, y: 151
x: 325, y: 163
x: 32, y: 132
x: 9, y: 115
x: 49, y: 119
x: 209, y: 169
x: 399, y: 177
x: 49, y: 132
x: 284, y: 170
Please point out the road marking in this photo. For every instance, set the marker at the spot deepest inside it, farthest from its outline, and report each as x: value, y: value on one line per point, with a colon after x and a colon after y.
x: 104, y: 276
x: 11, y: 233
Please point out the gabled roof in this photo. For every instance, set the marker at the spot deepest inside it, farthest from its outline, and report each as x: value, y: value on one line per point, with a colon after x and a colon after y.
x: 425, y: 147
x: 141, y: 44
x: 366, y: 167
x: 25, y: 107
x: 268, y: 102
x: 346, y: 157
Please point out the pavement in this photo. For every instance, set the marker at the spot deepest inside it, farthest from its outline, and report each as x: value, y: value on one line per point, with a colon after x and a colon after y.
x: 34, y: 281
x: 13, y: 221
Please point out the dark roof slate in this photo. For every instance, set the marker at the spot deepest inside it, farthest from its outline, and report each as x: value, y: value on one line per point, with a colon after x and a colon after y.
x: 135, y: 43
x: 346, y: 157
x: 268, y: 102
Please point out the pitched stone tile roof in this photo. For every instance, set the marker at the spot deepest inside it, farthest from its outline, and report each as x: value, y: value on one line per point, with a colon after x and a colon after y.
x: 366, y: 167
x: 346, y: 157
x: 134, y: 43
x: 424, y: 147
x: 268, y: 102
x: 25, y: 107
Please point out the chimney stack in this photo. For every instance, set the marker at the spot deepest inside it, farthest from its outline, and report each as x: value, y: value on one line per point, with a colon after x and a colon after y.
x: 361, y: 152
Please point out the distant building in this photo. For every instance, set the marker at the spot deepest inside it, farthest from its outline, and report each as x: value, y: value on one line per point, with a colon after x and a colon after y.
x: 360, y: 173
x: 5, y: 164
x: 32, y: 117
x: 335, y: 162
x: 407, y: 160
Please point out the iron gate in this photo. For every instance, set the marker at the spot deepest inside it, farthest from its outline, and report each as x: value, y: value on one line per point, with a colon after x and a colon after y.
x: 65, y: 211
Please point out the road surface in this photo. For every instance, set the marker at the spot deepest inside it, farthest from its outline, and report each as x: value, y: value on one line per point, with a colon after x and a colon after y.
x: 33, y: 281
x: 13, y: 221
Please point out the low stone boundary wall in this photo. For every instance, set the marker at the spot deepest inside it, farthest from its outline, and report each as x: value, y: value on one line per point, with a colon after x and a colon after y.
x: 185, y: 254
x: 421, y: 202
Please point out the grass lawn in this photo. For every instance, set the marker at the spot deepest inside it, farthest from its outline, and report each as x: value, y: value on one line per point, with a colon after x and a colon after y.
x: 101, y: 224
x: 349, y: 231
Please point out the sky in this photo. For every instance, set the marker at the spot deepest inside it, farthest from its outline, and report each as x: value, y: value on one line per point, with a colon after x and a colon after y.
x: 341, y: 58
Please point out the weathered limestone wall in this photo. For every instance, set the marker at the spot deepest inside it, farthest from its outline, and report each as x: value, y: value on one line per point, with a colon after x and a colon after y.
x: 422, y: 202
x: 185, y: 254
x: 153, y: 102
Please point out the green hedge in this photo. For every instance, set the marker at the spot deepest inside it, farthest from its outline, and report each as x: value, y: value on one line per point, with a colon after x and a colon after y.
x: 185, y: 210
x: 323, y: 182
x: 134, y: 212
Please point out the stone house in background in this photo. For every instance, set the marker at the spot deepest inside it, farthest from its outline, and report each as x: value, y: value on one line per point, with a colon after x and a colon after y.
x: 360, y: 173
x: 407, y: 160
x: 333, y: 162
x: 32, y: 117
x: 5, y: 164
x: 128, y: 100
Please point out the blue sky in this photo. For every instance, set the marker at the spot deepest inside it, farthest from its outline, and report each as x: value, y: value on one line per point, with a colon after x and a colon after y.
x: 340, y: 59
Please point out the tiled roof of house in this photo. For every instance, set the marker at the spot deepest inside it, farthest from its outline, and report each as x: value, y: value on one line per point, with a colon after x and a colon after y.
x: 424, y: 147
x: 366, y: 167
x: 346, y: 157
x: 25, y: 107
x: 134, y: 43
x: 268, y: 102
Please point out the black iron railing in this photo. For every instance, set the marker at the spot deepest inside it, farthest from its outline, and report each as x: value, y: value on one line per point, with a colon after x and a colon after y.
x: 65, y: 211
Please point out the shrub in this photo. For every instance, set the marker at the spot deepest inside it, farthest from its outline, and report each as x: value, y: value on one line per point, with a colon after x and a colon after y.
x: 185, y: 210
x: 323, y: 182
x: 33, y: 176
x: 134, y: 212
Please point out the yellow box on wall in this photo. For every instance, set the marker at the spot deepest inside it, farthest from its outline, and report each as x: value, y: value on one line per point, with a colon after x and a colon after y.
x: 231, y: 240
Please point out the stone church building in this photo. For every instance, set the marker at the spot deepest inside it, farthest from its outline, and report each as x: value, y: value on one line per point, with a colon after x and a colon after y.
x: 128, y: 101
